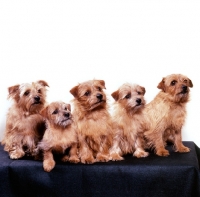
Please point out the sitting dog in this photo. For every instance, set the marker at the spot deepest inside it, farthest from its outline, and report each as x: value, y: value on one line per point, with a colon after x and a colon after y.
x: 60, y: 135
x: 166, y: 113
x: 128, y: 120
x: 93, y: 121
x: 24, y: 125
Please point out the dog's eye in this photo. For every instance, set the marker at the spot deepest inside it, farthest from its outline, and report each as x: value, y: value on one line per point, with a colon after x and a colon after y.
x: 173, y: 82
x: 26, y: 93
x: 128, y: 96
x: 99, y: 88
x: 65, y: 109
x: 55, y: 111
x: 185, y: 81
x: 39, y: 91
x: 87, y: 93
x: 139, y: 93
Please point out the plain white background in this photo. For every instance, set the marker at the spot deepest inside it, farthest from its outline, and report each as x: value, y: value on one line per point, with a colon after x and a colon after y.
x: 67, y: 42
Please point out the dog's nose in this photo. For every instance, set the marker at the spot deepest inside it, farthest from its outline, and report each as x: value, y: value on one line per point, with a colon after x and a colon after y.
x: 99, y: 96
x: 184, y: 88
x: 138, y: 101
x: 37, y: 98
x: 67, y: 114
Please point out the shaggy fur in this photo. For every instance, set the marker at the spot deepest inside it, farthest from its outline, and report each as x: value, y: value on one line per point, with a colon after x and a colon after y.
x: 60, y: 135
x: 24, y: 125
x: 166, y: 114
x: 93, y: 120
x: 128, y: 121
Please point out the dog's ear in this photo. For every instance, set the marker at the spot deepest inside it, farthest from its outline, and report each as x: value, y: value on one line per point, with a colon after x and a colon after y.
x: 102, y: 82
x: 190, y: 83
x: 74, y: 91
x: 68, y: 107
x: 13, y: 92
x: 44, y: 112
x: 115, y: 95
x: 143, y: 90
x: 161, y: 85
x: 43, y: 83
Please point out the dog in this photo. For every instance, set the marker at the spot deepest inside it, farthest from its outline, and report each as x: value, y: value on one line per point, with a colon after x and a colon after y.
x: 128, y: 120
x: 60, y: 135
x: 24, y: 125
x: 93, y: 120
x: 166, y: 113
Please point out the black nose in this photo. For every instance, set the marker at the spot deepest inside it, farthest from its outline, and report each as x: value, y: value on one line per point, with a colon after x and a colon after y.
x: 37, y: 98
x: 66, y: 114
x: 138, y: 101
x: 184, y: 88
x: 99, y: 96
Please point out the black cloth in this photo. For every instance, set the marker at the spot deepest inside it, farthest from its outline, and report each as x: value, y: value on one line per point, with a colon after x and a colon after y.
x: 174, y: 176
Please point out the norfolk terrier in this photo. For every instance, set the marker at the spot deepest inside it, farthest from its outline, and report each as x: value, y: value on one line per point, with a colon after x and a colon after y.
x: 93, y: 120
x: 59, y: 136
x: 24, y: 125
x: 166, y: 114
x: 128, y: 120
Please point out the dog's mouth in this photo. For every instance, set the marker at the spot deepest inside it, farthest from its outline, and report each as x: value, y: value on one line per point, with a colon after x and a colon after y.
x: 37, y: 103
x: 66, y: 119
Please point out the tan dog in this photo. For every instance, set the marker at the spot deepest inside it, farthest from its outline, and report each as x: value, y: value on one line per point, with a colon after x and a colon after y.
x: 166, y: 114
x: 60, y: 135
x: 93, y: 120
x: 128, y: 120
x: 24, y: 125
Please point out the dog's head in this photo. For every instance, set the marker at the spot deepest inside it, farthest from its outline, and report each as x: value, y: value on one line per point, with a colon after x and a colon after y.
x: 30, y: 97
x: 177, y: 86
x: 58, y: 114
x: 130, y: 97
x: 90, y: 94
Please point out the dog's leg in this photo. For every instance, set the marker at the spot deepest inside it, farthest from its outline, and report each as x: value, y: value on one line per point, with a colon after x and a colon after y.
x: 16, y: 152
x: 115, y: 152
x: 139, y: 150
x: 178, y: 143
x: 48, y: 163
x: 74, y: 154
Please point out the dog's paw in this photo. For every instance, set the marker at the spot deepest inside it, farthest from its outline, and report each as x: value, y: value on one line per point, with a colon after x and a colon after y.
x: 74, y: 159
x: 139, y: 154
x: 183, y: 149
x: 48, y: 165
x: 87, y: 160
x: 65, y: 158
x: 102, y: 158
x: 16, y: 154
x: 162, y: 152
x: 116, y: 157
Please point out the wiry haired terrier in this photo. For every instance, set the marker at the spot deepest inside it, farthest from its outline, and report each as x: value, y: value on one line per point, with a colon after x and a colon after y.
x: 24, y: 125
x: 59, y: 136
x: 128, y: 120
x: 166, y: 114
x: 93, y: 120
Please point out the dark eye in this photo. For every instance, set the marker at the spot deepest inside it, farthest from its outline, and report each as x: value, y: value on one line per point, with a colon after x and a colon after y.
x: 65, y: 109
x: 139, y: 93
x: 173, y: 82
x: 39, y: 91
x: 55, y: 111
x: 99, y: 88
x: 185, y: 81
x: 128, y: 96
x: 87, y: 93
x: 26, y: 93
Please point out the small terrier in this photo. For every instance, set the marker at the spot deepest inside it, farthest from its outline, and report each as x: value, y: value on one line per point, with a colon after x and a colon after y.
x: 59, y: 136
x: 128, y: 120
x: 24, y: 125
x: 166, y: 114
x: 93, y: 120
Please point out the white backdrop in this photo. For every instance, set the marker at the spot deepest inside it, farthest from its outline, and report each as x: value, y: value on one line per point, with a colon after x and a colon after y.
x: 66, y: 42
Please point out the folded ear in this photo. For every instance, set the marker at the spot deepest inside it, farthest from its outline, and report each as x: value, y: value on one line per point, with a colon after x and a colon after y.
x: 115, y: 95
x: 13, y: 92
x: 143, y: 90
x: 44, y: 112
x: 190, y: 83
x: 102, y: 82
x: 74, y: 91
x: 161, y: 85
x: 43, y: 83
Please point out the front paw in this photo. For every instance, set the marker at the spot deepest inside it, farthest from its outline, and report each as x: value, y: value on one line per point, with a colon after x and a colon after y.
x: 102, y: 158
x: 116, y: 157
x: 16, y: 154
x: 139, y: 154
x: 48, y: 165
x: 74, y: 159
x: 183, y: 149
x: 87, y: 160
x: 162, y: 152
